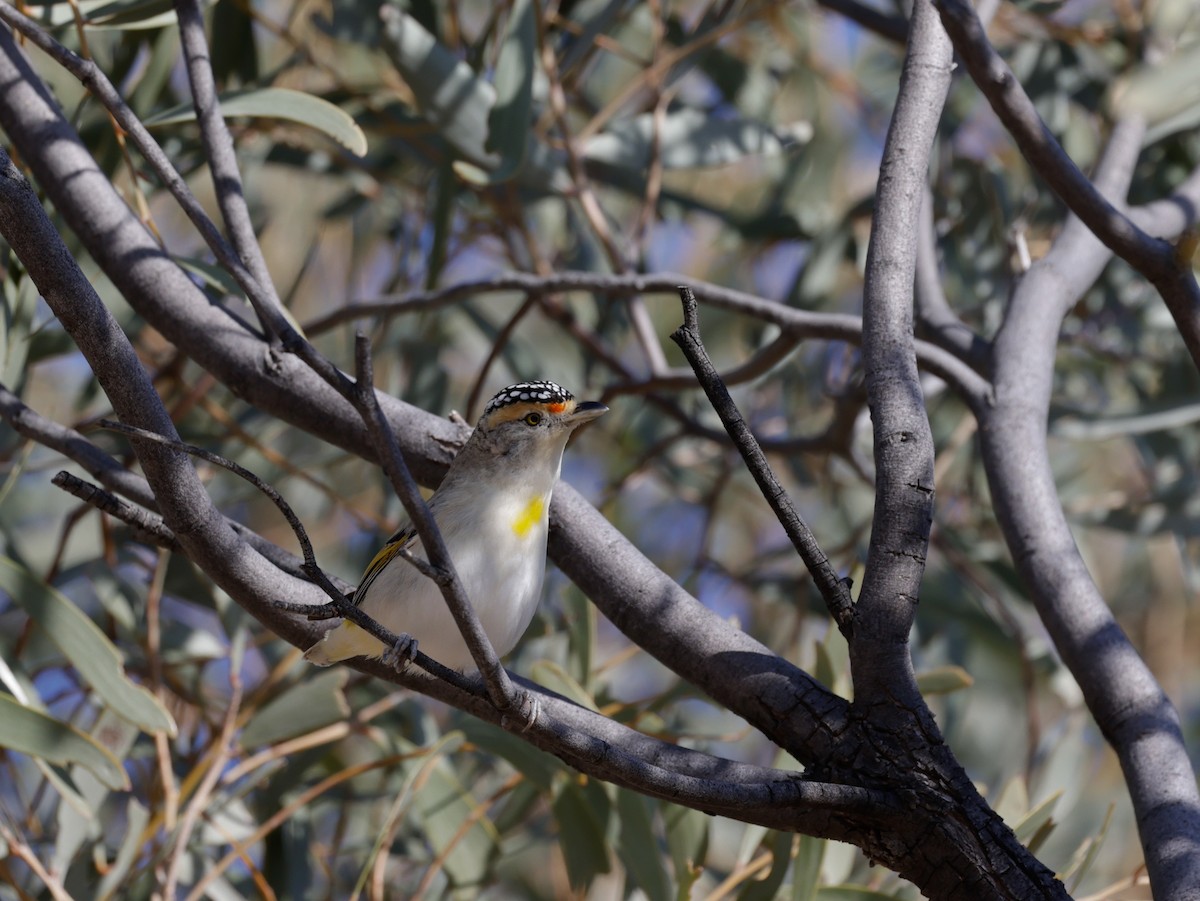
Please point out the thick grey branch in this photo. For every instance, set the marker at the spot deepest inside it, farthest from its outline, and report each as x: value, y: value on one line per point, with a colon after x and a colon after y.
x: 903, y: 442
x: 1122, y: 694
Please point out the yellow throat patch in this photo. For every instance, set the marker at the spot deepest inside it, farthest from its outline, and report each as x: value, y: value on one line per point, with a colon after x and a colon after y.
x: 529, y: 517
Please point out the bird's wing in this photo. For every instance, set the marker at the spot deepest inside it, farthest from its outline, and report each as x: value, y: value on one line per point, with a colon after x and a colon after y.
x: 403, y: 537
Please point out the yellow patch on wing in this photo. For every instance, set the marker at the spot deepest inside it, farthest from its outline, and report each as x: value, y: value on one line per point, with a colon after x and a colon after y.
x: 529, y: 517
x: 386, y: 555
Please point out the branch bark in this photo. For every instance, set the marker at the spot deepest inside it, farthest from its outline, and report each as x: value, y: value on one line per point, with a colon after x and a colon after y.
x: 1122, y: 694
x: 1155, y: 258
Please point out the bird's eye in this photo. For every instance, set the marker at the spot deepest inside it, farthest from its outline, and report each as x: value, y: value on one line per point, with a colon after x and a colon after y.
x: 533, y: 418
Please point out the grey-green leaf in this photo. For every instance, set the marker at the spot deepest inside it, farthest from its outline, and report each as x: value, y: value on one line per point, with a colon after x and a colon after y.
x: 38, y: 735
x: 767, y: 888
x: 687, y: 840
x: 638, y: 847
x: 942, y: 680
x: 304, y: 707
x: 689, y: 139
x: 509, y: 121
x: 86, y: 647
x: 582, y: 815
x: 447, y: 90
x: 1165, y: 93
x: 279, y: 103
x: 130, y: 15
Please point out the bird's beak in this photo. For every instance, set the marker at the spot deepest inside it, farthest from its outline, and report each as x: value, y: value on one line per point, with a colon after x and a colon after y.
x: 586, y: 412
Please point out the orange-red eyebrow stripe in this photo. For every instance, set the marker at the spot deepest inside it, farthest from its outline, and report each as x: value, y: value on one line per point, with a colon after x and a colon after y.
x: 556, y: 408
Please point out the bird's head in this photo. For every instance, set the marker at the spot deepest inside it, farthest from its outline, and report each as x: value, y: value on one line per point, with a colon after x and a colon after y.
x: 532, y: 421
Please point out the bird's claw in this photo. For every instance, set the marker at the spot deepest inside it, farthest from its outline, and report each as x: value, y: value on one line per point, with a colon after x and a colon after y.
x: 523, y: 714
x: 401, y: 654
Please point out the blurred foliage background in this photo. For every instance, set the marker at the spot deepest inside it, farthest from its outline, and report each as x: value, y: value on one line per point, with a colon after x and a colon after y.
x: 733, y: 142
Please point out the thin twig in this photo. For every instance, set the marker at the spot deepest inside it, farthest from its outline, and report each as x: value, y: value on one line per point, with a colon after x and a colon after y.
x: 150, y: 525
x: 834, y: 590
x: 503, y: 694
x: 218, y: 148
x: 18, y: 849
x: 221, y: 751
x: 339, y: 605
x: 264, y: 302
x: 973, y: 388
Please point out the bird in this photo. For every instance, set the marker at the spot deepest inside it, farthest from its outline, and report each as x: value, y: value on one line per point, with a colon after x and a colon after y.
x: 492, y: 509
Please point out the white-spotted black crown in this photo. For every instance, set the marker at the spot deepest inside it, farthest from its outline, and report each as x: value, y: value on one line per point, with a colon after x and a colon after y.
x: 540, y: 391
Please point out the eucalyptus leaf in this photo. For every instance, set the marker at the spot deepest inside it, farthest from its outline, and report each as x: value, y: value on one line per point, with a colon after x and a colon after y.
x: 535, y: 765
x: 806, y: 871
x: 509, y: 120
x: 34, y: 733
x: 445, y: 807
x: 305, y: 707
x: 1037, y: 819
x: 689, y: 139
x: 557, y: 679
x: 767, y: 888
x: 86, y: 647
x: 582, y: 814
x: 637, y: 846
x: 941, y: 680
x: 448, y: 92
x: 278, y: 103
x: 1162, y: 91
x: 687, y: 840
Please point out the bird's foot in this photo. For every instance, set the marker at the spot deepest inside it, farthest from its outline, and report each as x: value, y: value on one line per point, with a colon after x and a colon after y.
x: 401, y: 654
x: 523, y: 714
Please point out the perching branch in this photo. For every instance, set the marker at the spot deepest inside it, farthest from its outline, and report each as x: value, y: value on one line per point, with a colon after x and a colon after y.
x: 834, y: 590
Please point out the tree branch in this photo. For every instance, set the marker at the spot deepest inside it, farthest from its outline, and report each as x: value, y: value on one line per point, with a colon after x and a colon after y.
x: 835, y: 591
x: 149, y: 525
x: 1153, y: 257
x: 903, y: 442
x: 796, y: 323
x: 499, y: 687
x: 218, y: 149
x: 934, y: 315
x: 1128, y: 704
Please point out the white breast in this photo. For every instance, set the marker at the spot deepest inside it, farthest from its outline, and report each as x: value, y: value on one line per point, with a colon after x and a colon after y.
x: 501, y: 568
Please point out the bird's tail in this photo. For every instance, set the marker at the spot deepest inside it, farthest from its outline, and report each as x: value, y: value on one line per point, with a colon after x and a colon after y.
x: 342, y: 643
